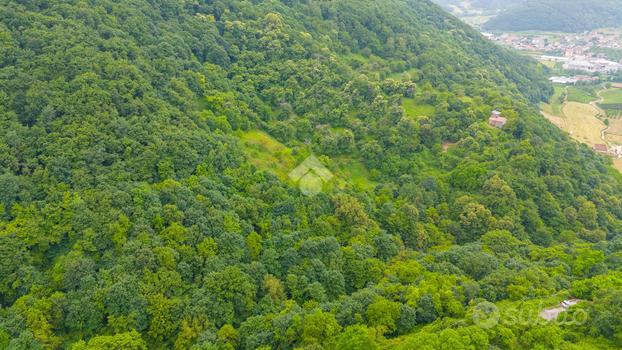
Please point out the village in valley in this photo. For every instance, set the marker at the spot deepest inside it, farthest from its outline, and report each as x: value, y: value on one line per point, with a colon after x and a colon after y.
x: 598, y: 51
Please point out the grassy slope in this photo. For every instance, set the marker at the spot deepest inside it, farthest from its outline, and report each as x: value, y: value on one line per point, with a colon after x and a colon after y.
x: 582, y: 95
x: 267, y: 153
x: 582, y: 123
x: 414, y: 109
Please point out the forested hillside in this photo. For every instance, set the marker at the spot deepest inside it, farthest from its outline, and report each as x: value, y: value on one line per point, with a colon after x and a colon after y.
x: 145, y: 147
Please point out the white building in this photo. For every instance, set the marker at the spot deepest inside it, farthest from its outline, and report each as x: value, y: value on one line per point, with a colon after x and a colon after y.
x: 554, y: 58
x: 563, y: 80
x: 592, y: 65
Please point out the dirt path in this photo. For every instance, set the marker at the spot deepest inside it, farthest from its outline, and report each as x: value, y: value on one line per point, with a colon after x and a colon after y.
x: 600, y: 98
x: 565, y: 95
x: 601, y: 112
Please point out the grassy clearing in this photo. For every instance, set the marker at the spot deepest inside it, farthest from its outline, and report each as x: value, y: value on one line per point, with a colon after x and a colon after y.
x: 413, y: 109
x: 560, y: 122
x: 354, y: 172
x: 581, y: 122
x: 582, y: 95
x: 447, y: 145
x: 408, y: 74
x: 267, y: 153
x: 554, y: 107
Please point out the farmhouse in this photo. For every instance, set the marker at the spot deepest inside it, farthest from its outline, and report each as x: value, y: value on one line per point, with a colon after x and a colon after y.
x: 601, y: 148
x: 497, y: 120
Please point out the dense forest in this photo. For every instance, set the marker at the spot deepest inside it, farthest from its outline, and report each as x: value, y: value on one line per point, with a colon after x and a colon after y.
x: 145, y: 202
x: 558, y: 15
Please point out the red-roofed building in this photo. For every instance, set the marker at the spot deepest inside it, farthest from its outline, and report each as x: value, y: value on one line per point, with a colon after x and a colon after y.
x: 497, y: 120
x: 601, y: 148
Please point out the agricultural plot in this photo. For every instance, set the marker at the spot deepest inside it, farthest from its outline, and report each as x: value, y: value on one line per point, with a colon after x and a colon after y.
x: 614, y: 132
x: 574, y: 109
x: 612, y: 96
x: 614, y: 138
x: 582, y: 123
x: 612, y: 102
x: 581, y: 94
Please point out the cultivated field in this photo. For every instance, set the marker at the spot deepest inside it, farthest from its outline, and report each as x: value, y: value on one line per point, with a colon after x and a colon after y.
x: 576, y: 111
x: 612, y: 96
x: 581, y: 122
x: 612, y: 102
x: 581, y: 94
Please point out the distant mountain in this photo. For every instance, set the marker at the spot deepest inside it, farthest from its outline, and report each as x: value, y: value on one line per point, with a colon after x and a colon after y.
x: 554, y: 15
x: 559, y: 15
